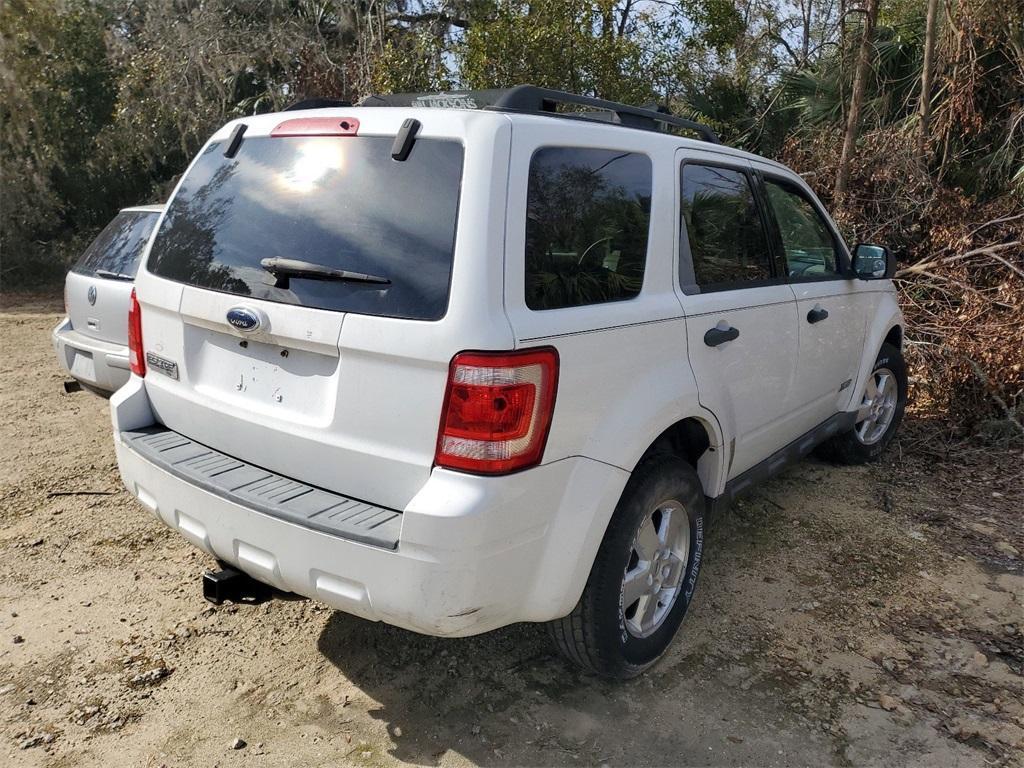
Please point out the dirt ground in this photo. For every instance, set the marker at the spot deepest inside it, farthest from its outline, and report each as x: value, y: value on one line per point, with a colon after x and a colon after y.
x: 846, y: 616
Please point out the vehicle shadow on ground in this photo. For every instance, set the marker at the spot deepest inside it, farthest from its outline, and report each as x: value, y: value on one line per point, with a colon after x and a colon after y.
x: 463, y: 695
x: 507, y: 698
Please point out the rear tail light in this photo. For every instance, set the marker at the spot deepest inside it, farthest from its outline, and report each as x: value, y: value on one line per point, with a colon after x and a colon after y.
x: 135, y: 357
x: 497, y: 410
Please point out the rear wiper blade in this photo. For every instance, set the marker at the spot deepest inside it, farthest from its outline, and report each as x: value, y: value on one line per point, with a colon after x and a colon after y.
x: 106, y: 274
x: 282, y: 269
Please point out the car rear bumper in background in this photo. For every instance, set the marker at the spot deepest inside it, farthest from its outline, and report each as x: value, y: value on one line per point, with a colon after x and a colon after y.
x: 98, y: 364
x: 473, y: 553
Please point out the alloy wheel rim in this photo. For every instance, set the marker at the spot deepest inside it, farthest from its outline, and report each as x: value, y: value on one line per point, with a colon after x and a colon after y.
x: 877, y: 407
x: 654, y: 574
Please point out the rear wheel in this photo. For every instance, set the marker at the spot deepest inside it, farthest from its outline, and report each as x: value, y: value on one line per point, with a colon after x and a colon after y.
x: 644, y: 574
x: 879, y: 414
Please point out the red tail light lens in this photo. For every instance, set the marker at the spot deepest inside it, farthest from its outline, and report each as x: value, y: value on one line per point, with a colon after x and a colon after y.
x: 497, y: 410
x: 135, y: 356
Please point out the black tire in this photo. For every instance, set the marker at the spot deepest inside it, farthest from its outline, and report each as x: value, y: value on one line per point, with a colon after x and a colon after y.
x: 595, y: 636
x: 848, y: 448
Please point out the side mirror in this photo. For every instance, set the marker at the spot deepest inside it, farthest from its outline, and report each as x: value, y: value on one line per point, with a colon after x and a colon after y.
x: 872, y: 262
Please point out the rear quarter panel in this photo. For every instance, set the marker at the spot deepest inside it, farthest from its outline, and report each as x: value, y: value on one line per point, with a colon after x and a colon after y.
x: 624, y: 375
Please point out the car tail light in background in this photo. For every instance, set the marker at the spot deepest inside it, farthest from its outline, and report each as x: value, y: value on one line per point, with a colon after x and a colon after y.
x: 497, y: 410
x: 135, y: 355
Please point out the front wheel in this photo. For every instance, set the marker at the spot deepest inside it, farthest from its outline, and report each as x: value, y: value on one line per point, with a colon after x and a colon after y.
x: 644, y: 574
x: 879, y: 412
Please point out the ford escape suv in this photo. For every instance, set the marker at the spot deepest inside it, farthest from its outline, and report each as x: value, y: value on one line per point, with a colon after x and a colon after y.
x: 456, y: 361
x: 92, y: 340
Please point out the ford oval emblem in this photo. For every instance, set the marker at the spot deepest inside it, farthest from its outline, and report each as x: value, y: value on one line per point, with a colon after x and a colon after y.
x: 92, y: 294
x: 243, y: 319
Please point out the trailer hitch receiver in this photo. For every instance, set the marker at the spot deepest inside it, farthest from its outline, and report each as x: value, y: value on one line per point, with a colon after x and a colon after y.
x: 238, y: 587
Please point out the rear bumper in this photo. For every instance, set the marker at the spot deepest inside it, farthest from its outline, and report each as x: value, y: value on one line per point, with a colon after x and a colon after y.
x: 473, y: 554
x: 98, y: 364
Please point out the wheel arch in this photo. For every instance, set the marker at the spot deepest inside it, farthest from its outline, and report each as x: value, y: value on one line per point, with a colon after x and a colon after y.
x: 695, y: 437
x: 895, y: 337
x: 697, y: 440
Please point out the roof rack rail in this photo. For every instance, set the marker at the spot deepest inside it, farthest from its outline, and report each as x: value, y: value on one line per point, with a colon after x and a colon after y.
x: 317, y: 103
x: 529, y: 99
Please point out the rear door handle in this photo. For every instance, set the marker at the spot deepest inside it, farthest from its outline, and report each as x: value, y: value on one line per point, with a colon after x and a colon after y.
x: 817, y: 314
x: 719, y: 335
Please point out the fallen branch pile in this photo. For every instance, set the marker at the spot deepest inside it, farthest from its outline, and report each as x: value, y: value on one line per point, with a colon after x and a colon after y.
x: 965, y: 339
x: 961, y: 281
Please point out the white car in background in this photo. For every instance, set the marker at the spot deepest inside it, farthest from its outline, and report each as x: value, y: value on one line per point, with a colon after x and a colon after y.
x: 457, y: 361
x: 92, y: 340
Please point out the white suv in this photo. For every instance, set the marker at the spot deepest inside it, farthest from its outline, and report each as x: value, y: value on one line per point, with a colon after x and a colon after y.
x: 91, y: 341
x: 452, y: 362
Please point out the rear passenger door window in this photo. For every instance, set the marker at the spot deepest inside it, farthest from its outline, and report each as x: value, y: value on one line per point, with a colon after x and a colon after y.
x: 807, y: 241
x: 723, y: 227
x: 587, y: 226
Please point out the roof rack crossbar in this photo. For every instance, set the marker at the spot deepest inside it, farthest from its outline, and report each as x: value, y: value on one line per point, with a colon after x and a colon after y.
x: 529, y: 99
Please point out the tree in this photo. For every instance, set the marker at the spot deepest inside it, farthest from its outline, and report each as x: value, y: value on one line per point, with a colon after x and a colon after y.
x: 605, y: 48
x: 56, y: 92
x: 925, y: 109
x: 856, y: 98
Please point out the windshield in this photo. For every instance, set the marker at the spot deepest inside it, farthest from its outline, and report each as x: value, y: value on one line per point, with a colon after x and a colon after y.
x: 118, y: 248
x: 336, y: 202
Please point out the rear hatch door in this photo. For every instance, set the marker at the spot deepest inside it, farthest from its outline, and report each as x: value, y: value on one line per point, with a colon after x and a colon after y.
x: 331, y: 372
x: 98, y: 287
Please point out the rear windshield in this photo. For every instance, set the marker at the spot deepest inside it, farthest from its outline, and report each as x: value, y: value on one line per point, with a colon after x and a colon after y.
x: 336, y: 202
x: 118, y: 248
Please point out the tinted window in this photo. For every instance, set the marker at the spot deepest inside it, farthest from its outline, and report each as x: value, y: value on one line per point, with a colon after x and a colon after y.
x: 338, y: 202
x: 722, y: 226
x: 587, y: 217
x: 807, y: 241
x: 118, y: 248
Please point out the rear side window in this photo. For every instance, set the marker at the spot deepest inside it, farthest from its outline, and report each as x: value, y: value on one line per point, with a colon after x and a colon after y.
x: 807, y: 241
x: 587, y: 219
x: 337, y: 202
x: 116, y: 251
x: 723, y: 227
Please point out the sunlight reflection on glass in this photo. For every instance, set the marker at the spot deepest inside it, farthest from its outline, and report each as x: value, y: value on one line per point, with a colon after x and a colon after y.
x: 314, y: 159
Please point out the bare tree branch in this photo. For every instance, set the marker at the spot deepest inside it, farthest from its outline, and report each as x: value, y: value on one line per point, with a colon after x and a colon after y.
x: 428, y: 17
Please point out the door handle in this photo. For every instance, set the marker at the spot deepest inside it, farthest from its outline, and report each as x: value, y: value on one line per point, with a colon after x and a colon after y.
x: 719, y: 335
x: 817, y: 314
